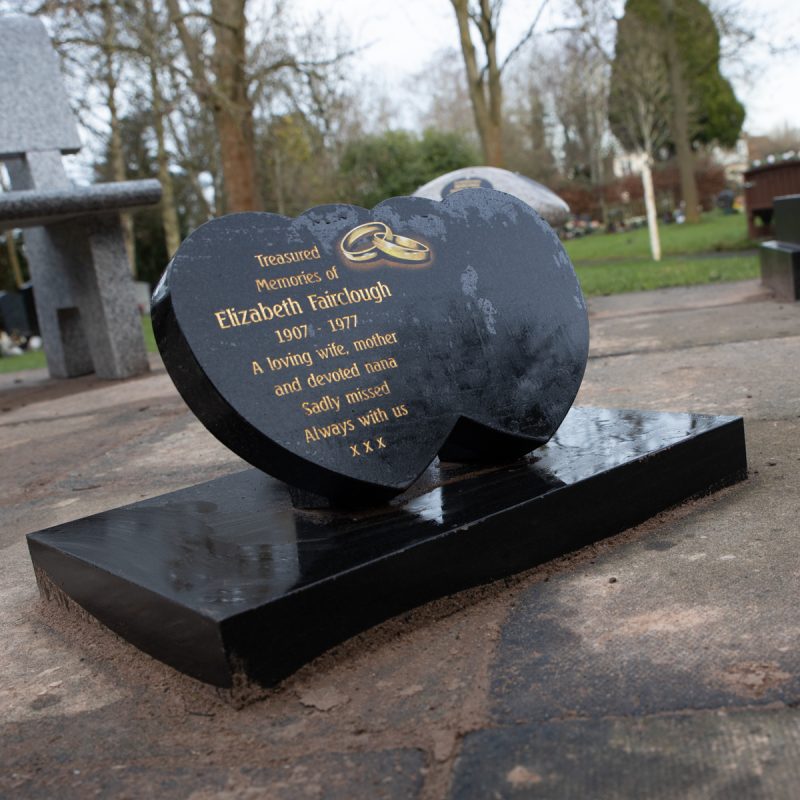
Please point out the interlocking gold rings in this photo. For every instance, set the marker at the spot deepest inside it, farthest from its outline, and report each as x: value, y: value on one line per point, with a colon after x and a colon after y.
x: 373, y: 240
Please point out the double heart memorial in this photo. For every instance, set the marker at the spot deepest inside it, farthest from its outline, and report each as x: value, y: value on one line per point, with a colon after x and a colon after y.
x: 343, y: 350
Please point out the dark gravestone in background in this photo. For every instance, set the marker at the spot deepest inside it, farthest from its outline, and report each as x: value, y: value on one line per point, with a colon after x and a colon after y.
x: 780, y: 258
x: 341, y: 351
x: 18, y: 312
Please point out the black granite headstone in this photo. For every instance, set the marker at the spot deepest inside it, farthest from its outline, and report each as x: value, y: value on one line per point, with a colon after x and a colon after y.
x: 343, y: 350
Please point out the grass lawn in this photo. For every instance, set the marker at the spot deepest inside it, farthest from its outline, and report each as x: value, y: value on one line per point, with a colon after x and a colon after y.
x: 613, y: 263
x: 35, y: 360
x: 639, y: 275
x: 714, y: 233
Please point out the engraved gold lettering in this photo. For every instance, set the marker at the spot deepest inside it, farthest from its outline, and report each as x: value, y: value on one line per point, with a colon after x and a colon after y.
x: 316, y: 380
x: 295, y: 333
x: 276, y: 363
x: 376, y: 293
x: 317, y: 432
x: 274, y: 259
x: 374, y: 417
x: 332, y: 350
x: 287, y: 281
x: 369, y: 393
x: 381, y: 365
x: 376, y: 340
x: 325, y: 403
x: 234, y: 318
x: 400, y: 410
x: 292, y: 386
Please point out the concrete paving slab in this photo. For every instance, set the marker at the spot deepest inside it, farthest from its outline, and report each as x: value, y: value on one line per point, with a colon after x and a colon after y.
x: 678, y: 298
x: 382, y: 775
x: 646, y: 332
x: 707, y: 756
x: 754, y: 379
x: 685, y: 637
x: 696, y: 612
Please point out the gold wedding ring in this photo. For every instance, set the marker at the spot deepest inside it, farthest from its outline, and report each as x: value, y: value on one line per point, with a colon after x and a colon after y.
x: 382, y: 243
x: 359, y: 232
x: 401, y: 248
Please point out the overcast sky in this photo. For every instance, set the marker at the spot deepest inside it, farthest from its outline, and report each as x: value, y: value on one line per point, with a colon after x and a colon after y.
x: 403, y: 34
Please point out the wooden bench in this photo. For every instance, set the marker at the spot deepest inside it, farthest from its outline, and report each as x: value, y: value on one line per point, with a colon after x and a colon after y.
x: 73, y: 241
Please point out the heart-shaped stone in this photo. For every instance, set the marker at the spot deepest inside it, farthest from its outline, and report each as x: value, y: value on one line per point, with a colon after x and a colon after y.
x: 342, y: 350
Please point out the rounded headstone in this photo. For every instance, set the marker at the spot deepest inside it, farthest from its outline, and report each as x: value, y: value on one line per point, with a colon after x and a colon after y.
x: 541, y: 199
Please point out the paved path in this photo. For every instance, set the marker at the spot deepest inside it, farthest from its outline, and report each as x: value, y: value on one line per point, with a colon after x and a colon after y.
x: 663, y: 663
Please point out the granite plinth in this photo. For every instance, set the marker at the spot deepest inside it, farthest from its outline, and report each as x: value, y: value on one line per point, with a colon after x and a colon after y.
x: 226, y: 578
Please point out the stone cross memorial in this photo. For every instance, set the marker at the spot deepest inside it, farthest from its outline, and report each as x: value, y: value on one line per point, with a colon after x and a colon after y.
x: 401, y: 379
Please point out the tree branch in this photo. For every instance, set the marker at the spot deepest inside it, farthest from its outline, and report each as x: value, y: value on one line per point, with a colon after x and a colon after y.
x: 526, y: 36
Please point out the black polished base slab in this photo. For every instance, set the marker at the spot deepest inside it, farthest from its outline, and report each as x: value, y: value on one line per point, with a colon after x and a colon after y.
x: 227, y: 578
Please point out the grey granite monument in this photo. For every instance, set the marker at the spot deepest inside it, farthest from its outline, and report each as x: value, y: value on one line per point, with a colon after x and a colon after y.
x: 74, y: 245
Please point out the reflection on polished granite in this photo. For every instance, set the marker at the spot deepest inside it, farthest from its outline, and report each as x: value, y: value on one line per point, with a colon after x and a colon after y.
x: 227, y: 576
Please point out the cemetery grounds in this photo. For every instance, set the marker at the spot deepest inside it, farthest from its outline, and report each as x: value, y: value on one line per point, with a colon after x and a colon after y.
x: 716, y: 250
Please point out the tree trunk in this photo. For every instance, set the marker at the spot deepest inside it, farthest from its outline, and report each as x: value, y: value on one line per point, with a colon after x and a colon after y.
x: 116, y: 153
x: 680, y: 115
x: 169, y: 213
x: 13, y: 258
x: 237, y: 153
x: 650, y: 207
x: 280, y: 198
x: 494, y: 146
x: 233, y: 109
x: 228, y: 97
x: 487, y: 110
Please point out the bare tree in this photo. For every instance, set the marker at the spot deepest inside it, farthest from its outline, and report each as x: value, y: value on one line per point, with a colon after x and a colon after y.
x: 530, y: 121
x: 232, y: 81
x: 579, y: 87
x: 155, y: 53
x: 484, y: 81
x: 639, y: 104
x: 221, y: 82
x: 442, y: 83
